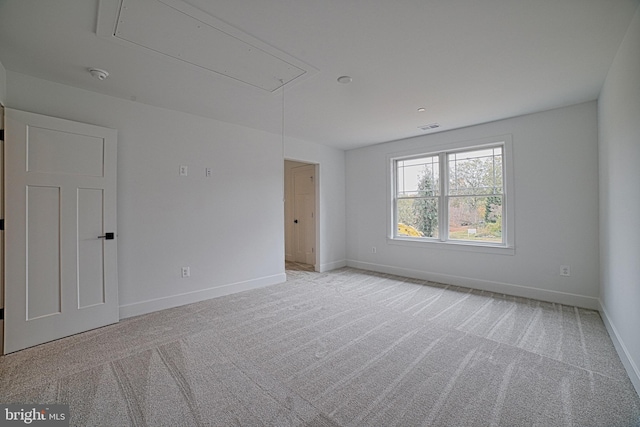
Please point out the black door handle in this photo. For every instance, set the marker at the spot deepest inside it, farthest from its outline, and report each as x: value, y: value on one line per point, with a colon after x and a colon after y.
x: 107, y: 236
x: 295, y: 221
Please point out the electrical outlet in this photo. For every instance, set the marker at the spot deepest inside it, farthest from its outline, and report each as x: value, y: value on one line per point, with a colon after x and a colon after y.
x: 185, y: 272
x: 373, y: 249
x: 184, y: 170
x: 565, y: 270
x: 207, y: 172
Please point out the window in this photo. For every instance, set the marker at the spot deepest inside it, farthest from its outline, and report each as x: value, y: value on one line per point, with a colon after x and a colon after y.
x: 457, y: 195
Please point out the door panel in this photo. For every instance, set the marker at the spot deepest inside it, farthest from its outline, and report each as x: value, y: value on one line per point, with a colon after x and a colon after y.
x: 57, y: 152
x: 43, y: 252
x: 61, y: 277
x: 304, y: 212
x: 90, y: 249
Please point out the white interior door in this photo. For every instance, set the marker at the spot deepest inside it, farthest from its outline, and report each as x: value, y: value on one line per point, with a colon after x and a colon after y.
x: 60, y: 224
x: 304, y: 214
x: 2, y: 232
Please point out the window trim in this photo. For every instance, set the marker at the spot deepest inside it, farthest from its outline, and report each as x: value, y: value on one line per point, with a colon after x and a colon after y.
x: 505, y: 248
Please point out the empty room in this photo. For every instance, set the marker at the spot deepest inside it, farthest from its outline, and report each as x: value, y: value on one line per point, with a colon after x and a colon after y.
x: 305, y: 213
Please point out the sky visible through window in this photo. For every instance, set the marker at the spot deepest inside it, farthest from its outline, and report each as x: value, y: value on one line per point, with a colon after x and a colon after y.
x: 476, y: 172
x: 411, y: 171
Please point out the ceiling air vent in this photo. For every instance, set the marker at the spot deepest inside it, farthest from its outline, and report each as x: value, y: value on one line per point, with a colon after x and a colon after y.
x: 430, y: 126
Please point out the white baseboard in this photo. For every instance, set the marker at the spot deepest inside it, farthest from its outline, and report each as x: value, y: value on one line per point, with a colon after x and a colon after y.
x: 149, y: 306
x: 332, y: 265
x: 485, y: 285
x: 623, y: 353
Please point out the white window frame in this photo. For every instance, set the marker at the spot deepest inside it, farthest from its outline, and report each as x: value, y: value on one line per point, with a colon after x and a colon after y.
x: 507, y: 247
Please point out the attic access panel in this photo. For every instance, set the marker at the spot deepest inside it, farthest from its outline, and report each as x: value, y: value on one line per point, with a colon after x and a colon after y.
x: 179, y: 31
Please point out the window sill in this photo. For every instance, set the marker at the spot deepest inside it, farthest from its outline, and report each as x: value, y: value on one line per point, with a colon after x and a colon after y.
x: 464, y: 246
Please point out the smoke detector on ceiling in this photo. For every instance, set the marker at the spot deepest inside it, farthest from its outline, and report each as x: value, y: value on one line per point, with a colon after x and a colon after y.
x: 98, y: 73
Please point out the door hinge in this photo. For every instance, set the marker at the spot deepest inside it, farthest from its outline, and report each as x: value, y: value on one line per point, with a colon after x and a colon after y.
x: 1, y: 313
x: 1, y: 224
x: 1, y: 134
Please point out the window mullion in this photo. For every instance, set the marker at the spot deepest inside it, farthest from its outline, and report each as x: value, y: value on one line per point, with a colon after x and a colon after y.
x: 443, y: 217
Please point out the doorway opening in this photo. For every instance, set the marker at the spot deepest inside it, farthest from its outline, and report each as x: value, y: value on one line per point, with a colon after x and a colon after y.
x: 300, y: 218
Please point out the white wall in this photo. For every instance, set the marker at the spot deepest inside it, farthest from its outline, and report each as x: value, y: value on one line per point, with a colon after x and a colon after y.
x: 331, y: 215
x: 556, y: 211
x: 619, y: 143
x: 227, y: 228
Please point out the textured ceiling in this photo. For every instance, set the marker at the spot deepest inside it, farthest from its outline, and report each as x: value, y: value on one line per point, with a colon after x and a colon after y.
x: 465, y: 61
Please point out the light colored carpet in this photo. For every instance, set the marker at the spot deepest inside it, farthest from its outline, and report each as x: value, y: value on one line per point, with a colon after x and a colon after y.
x: 344, y: 348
